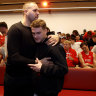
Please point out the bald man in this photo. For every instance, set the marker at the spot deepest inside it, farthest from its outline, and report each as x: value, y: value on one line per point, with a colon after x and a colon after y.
x: 21, y: 51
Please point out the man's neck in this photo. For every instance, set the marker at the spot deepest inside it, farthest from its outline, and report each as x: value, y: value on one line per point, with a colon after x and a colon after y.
x: 68, y: 49
x: 87, y: 52
x: 25, y: 22
x: 45, y: 39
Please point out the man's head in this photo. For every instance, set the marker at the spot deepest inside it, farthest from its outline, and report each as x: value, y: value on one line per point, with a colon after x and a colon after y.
x: 72, y: 39
x: 75, y: 32
x: 89, y: 33
x: 77, y: 37
x: 3, y: 28
x: 62, y: 38
x: 31, y: 12
x: 84, y: 46
x: 67, y: 44
x: 84, y: 31
x: 39, y: 30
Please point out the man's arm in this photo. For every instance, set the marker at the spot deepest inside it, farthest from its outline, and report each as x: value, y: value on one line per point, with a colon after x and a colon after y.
x: 83, y: 64
x: 94, y: 60
x: 75, y: 58
x: 52, y: 40
x: 59, y: 68
x: 81, y: 60
x: 14, y: 47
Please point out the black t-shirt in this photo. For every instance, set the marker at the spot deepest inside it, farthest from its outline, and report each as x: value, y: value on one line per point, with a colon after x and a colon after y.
x: 51, y: 75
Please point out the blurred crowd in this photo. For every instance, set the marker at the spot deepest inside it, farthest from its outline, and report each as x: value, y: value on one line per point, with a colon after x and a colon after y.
x: 80, y: 48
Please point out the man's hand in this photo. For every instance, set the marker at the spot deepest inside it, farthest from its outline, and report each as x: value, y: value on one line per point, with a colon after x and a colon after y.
x: 46, y: 60
x: 36, y: 67
x: 53, y: 40
x: 70, y: 58
x: 89, y: 65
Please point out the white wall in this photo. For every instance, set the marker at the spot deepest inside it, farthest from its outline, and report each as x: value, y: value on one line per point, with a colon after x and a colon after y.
x: 60, y: 21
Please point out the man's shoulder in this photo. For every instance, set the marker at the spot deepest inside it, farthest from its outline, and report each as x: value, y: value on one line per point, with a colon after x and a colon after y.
x: 72, y: 50
x: 56, y: 47
x: 18, y: 24
x: 57, y: 50
x: 15, y: 28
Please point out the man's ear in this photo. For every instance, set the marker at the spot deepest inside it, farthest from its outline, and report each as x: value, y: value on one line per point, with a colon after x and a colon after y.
x: 25, y: 11
x: 45, y: 31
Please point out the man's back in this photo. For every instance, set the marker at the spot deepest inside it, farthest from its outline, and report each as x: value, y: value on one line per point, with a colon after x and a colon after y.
x: 21, y: 50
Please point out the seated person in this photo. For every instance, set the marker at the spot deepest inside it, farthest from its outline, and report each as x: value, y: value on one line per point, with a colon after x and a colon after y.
x: 75, y: 45
x: 68, y: 36
x: 92, y: 42
x: 62, y: 39
x: 3, y: 39
x: 78, y: 39
x: 71, y: 55
x: 88, y: 36
x: 75, y: 32
x: 86, y: 57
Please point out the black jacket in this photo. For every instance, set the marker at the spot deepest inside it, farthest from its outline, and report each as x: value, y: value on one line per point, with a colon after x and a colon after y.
x: 51, y: 76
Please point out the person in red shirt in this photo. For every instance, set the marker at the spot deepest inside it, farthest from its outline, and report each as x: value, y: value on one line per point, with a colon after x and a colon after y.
x: 71, y: 55
x: 2, y: 39
x: 3, y: 32
x: 88, y: 35
x: 86, y: 57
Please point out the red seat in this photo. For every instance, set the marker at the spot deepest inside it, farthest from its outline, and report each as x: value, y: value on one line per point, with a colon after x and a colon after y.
x: 2, y: 71
x: 80, y: 78
x: 1, y: 90
x: 77, y: 93
x: 79, y: 82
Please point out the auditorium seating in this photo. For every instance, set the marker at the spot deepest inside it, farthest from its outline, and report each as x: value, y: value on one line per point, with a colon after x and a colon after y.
x: 78, y: 82
x: 2, y: 71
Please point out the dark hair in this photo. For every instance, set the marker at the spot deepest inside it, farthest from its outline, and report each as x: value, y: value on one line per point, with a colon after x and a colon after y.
x: 73, y: 38
x: 48, y: 30
x: 76, y: 32
x: 84, y: 30
x: 83, y: 43
x: 51, y: 33
x: 89, y: 33
x: 93, y: 36
x: 3, y: 24
x: 58, y: 32
x: 68, y: 35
